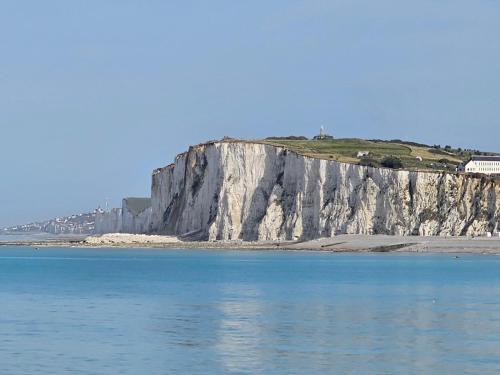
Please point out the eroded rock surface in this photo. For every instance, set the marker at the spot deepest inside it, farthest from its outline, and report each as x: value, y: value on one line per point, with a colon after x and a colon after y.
x: 252, y: 191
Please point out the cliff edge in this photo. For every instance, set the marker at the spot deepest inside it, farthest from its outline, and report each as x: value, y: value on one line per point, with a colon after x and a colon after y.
x: 253, y: 191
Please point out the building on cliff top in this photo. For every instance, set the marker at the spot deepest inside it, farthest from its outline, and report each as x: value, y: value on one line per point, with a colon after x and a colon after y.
x: 489, y: 165
x: 363, y: 154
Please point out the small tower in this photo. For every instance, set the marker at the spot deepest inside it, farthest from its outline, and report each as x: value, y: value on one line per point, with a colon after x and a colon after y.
x: 322, y: 133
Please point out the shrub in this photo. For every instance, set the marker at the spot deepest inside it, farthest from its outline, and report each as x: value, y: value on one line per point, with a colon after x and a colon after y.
x: 392, y: 162
x: 367, y: 162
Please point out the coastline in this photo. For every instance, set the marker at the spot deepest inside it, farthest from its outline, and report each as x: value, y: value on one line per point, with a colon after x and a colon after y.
x: 340, y: 243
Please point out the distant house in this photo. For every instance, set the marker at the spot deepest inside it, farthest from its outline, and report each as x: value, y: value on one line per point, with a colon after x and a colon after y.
x: 363, y: 154
x: 483, y: 164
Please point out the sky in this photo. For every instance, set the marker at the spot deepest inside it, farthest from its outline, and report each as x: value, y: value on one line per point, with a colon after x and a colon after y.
x: 95, y: 94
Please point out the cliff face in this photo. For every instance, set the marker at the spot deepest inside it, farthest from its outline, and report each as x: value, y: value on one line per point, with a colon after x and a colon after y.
x: 237, y: 190
x: 136, y: 215
x: 133, y: 217
x: 108, y: 222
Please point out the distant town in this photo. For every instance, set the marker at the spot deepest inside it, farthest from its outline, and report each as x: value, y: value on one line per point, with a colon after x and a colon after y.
x: 75, y: 224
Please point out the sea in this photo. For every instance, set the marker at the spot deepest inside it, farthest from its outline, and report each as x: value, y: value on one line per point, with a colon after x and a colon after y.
x: 138, y: 311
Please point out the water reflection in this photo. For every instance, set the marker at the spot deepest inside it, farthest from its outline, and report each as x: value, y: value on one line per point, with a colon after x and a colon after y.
x: 239, y: 332
x: 407, y: 328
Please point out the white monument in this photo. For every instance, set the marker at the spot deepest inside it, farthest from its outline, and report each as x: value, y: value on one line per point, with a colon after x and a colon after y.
x: 322, y: 132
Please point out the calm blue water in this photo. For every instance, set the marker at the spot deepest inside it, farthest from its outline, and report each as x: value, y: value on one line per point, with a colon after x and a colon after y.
x: 69, y: 311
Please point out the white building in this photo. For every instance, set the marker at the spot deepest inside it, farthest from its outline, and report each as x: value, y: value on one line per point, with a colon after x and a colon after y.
x: 322, y: 134
x: 362, y: 154
x: 483, y: 164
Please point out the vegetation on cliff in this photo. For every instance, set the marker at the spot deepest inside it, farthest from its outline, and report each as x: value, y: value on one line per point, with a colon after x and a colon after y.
x: 406, y: 155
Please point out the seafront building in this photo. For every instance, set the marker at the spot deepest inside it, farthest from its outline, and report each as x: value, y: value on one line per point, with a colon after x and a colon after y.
x: 483, y: 164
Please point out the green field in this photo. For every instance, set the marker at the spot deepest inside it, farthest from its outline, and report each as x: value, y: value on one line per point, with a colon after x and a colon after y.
x: 346, y: 150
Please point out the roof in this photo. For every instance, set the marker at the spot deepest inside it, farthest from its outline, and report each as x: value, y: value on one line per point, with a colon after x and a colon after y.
x: 485, y: 158
x: 136, y: 205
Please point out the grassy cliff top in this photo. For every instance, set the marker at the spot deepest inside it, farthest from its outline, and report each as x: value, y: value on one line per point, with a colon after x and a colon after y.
x: 412, y: 156
x: 395, y: 154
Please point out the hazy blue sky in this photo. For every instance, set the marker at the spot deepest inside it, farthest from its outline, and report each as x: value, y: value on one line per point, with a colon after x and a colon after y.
x: 96, y: 94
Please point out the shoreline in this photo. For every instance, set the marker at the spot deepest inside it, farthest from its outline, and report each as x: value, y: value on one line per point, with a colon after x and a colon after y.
x: 340, y: 244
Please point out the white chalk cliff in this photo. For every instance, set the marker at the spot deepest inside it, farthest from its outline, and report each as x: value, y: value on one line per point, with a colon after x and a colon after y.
x: 136, y: 215
x: 108, y: 221
x: 252, y: 191
x: 133, y: 217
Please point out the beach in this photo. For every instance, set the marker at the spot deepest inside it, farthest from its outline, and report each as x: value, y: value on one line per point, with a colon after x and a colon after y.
x: 340, y: 243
